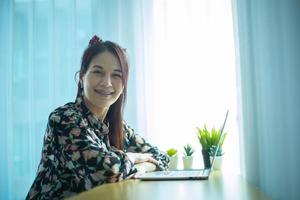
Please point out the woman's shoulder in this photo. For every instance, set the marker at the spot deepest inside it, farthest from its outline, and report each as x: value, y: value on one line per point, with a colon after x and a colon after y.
x: 67, y: 112
x: 128, y: 131
x: 125, y: 126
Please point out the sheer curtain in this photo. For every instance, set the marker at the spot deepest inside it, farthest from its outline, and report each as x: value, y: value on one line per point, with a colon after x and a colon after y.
x: 189, y: 76
x: 41, y: 45
x: 267, y: 38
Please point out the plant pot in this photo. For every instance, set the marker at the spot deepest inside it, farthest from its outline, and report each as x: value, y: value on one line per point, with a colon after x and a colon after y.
x: 173, y: 163
x: 217, y: 163
x: 206, y: 160
x: 187, y: 162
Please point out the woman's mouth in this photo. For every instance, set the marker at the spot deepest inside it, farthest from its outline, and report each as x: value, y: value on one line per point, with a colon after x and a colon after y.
x: 104, y: 92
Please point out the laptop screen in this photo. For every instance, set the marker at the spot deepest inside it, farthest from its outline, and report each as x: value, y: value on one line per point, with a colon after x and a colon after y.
x: 219, y: 142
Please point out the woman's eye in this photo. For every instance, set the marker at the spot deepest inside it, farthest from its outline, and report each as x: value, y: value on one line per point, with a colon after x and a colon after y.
x: 117, y: 75
x: 97, y: 72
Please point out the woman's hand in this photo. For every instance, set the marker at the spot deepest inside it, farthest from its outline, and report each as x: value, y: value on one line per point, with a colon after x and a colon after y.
x: 144, y: 162
x: 137, y: 158
x: 145, y: 167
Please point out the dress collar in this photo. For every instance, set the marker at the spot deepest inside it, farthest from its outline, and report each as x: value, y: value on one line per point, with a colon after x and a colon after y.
x: 92, y: 119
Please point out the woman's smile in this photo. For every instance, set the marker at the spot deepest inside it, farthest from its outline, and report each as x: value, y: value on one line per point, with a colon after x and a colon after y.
x: 104, y: 93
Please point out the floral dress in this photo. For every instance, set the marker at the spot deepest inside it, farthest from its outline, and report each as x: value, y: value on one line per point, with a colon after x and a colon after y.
x: 77, y: 156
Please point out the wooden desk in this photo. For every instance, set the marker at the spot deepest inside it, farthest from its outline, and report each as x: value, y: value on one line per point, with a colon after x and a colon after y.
x: 217, y: 187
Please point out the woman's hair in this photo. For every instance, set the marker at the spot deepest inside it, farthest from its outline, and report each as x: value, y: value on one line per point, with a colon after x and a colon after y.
x: 115, y: 113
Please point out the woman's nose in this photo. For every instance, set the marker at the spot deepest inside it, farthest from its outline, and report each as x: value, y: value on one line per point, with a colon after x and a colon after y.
x: 106, y: 81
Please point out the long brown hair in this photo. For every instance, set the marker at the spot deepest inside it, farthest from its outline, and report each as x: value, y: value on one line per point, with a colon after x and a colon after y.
x: 115, y: 113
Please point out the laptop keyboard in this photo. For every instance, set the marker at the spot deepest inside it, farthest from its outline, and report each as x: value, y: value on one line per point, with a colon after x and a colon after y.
x: 180, y: 173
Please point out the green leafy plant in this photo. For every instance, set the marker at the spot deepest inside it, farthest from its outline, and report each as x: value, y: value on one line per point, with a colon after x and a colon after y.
x: 171, y: 152
x: 208, y: 139
x: 188, y: 150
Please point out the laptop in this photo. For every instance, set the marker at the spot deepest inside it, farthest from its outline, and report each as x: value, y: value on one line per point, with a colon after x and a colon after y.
x: 196, y: 174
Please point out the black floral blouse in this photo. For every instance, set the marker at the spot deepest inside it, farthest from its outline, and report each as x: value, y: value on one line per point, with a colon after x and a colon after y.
x: 77, y: 156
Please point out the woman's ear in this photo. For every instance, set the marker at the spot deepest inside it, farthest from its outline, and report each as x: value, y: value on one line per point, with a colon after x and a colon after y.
x: 80, y: 76
x: 81, y: 79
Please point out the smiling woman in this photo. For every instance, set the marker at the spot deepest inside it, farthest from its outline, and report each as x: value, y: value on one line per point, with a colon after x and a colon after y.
x: 102, y: 83
x: 87, y: 143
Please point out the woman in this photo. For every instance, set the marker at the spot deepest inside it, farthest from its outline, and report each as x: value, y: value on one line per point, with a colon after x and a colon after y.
x: 87, y: 143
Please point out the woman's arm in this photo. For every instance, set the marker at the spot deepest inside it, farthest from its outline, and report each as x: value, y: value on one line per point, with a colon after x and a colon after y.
x: 87, y: 156
x: 136, y: 144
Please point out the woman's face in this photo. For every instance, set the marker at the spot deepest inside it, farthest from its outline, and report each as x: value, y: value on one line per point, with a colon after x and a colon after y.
x: 102, y: 83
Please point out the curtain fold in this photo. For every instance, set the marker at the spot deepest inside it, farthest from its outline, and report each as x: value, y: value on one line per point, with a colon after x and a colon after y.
x: 5, y: 55
x: 267, y: 40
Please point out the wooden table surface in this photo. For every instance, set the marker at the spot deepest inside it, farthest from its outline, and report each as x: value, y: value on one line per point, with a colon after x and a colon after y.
x: 219, y: 186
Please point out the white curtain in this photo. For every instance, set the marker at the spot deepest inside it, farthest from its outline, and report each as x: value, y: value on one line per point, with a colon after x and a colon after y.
x: 189, y: 75
x: 267, y: 39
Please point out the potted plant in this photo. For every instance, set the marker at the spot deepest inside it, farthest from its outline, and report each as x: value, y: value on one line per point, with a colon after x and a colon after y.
x: 219, y: 156
x: 188, y: 157
x: 172, y: 153
x: 207, y: 139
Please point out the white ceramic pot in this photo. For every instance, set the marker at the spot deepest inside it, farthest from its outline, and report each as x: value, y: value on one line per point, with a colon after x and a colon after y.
x: 218, y: 162
x: 173, y: 163
x: 187, y: 162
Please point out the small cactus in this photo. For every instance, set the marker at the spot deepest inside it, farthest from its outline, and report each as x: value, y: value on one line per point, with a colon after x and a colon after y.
x: 212, y: 151
x: 188, y: 150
